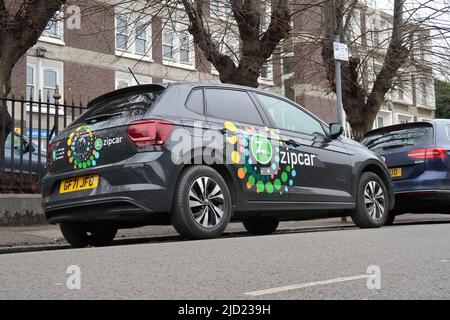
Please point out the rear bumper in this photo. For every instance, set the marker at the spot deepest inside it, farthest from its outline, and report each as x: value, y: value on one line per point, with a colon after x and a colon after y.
x: 422, y: 201
x: 126, y: 192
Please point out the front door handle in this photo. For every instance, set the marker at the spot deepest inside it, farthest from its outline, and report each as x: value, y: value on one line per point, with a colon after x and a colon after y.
x: 292, y: 143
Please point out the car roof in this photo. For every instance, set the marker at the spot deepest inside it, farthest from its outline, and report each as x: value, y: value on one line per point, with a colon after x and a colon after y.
x: 403, y: 125
x: 153, y: 86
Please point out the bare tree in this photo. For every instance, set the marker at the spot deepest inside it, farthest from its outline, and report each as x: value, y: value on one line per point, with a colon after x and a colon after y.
x: 360, y: 104
x: 21, y: 24
x: 256, y: 46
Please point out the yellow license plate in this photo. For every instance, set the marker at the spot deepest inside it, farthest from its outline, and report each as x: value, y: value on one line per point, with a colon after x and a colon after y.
x: 79, y: 184
x: 395, y: 172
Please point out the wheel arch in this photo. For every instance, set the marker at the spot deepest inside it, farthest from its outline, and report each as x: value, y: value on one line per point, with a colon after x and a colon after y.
x: 225, y: 172
x: 380, y: 171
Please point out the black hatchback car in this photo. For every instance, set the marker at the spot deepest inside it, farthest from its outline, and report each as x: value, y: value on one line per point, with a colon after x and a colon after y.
x: 199, y: 155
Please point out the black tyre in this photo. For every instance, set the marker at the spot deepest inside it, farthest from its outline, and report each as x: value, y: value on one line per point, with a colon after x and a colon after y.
x: 390, y: 219
x: 202, y: 204
x: 372, y: 203
x: 80, y: 235
x: 261, y: 225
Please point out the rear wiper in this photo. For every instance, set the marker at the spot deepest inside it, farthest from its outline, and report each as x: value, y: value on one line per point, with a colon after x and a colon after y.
x: 102, y: 117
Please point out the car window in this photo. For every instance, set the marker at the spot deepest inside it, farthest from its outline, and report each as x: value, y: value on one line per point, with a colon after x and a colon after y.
x: 195, y: 101
x: 400, y: 136
x: 289, y: 117
x: 232, y: 105
x: 8, y: 142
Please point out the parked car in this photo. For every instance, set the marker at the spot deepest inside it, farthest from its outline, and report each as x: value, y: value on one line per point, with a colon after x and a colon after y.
x: 418, y: 160
x: 153, y: 154
x: 21, y: 156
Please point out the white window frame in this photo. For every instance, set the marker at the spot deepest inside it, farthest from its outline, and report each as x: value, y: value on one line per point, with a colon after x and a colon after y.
x: 224, y: 10
x: 178, y: 29
x: 39, y: 65
x: 57, y: 39
x: 268, y: 79
x: 405, y: 115
x: 386, y: 115
x: 130, y: 50
x: 128, y: 78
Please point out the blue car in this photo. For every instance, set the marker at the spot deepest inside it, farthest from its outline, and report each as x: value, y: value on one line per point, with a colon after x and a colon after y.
x: 417, y: 155
x: 23, y: 157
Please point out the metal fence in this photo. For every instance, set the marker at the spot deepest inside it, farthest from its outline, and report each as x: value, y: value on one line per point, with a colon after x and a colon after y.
x: 25, y: 148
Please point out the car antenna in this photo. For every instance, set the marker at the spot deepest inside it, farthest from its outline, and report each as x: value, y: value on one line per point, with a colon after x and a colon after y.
x: 132, y: 73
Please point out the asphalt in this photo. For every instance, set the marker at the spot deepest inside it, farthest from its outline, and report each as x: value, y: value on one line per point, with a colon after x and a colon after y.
x: 325, y: 263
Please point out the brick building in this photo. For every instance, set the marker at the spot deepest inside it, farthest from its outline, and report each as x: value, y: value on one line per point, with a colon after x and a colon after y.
x: 95, y: 58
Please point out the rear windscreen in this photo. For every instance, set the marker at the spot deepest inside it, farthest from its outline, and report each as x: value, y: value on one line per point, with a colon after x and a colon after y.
x: 125, y: 105
x: 418, y: 135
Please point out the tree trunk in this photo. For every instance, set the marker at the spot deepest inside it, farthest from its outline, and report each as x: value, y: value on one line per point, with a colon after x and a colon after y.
x: 6, y: 122
x: 361, y: 107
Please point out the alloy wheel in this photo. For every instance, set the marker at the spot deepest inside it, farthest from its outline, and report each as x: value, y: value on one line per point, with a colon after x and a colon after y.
x: 206, y: 202
x: 374, y: 200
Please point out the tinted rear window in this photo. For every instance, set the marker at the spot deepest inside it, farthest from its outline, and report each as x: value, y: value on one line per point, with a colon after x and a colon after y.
x: 232, y: 105
x: 124, y: 105
x: 419, y: 135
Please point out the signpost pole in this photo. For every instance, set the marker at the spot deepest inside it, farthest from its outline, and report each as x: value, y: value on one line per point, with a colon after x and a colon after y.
x: 340, y: 108
x: 338, y: 79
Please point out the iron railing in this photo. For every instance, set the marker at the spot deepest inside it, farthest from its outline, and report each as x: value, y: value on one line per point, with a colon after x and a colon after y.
x: 25, y: 149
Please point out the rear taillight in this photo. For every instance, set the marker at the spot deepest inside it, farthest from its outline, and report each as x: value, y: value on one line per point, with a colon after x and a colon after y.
x: 428, y: 153
x: 146, y: 133
x: 49, y: 154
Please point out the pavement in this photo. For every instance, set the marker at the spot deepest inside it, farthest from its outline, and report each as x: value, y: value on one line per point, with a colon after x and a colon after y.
x: 410, y: 260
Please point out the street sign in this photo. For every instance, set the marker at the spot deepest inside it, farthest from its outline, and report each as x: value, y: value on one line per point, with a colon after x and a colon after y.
x: 340, y: 51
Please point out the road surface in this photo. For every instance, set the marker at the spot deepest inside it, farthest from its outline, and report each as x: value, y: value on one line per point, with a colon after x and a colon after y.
x: 413, y: 262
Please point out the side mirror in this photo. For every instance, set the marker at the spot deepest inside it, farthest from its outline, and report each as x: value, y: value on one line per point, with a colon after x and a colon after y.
x: 28, y: 148
x: 336, y: 130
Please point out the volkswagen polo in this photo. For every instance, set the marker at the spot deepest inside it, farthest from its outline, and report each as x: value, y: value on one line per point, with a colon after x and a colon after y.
x: 201, y: 155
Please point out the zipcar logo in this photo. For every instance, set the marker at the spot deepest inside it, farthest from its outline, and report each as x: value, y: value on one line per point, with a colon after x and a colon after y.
x: 261, y: 149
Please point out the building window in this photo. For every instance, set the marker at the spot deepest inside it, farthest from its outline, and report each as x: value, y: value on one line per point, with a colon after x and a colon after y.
x: 220, y: 8
x: 376, y: 37
x: 177, y: 46
x: 121, y: 34
x: 50, y: 79
x: 42, y: 77
x: 184, y: 48
x: 167, y: 45
x: 141, y: 38
x: 380, y: 122
x: 54, y: 31
x: 267, y: 71
x: 30, y: 82
x: 423, y: 90
x: 399, y: 91
x: 132, y: 37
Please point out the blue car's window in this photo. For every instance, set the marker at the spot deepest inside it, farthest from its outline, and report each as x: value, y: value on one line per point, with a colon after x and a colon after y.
x: 400, y: 136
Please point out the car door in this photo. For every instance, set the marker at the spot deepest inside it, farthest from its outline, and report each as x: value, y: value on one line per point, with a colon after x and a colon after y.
x: 246, y: 140
x: 316, y: 168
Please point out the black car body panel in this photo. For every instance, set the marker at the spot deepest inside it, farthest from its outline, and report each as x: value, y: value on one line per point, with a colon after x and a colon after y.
x: 313, y: 175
